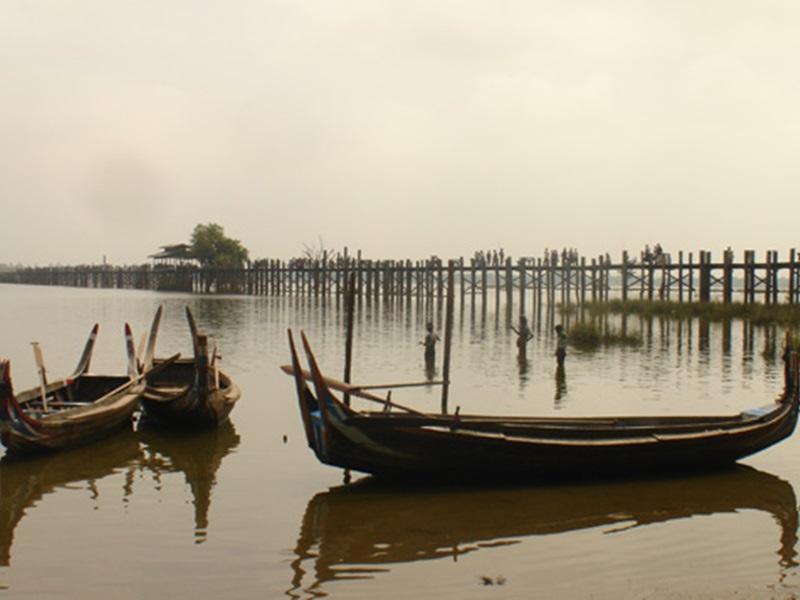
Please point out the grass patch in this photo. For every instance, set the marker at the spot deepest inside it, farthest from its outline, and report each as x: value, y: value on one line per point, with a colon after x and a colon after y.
x: 759, y: 314
x: 589, y: 336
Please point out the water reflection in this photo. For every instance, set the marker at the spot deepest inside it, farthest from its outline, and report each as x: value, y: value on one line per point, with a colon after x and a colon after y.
x: 524, y: 365
x: 357, y: 531
x: 561, y: 384
x: 219, y: 313
x: 430, y: 371
x: 24, y: 482
x: 198, y: 455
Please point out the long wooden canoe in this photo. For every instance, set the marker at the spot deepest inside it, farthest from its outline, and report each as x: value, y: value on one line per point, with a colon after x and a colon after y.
x: 413, y: 444
x: 69, y: 412
x: 191, y: 392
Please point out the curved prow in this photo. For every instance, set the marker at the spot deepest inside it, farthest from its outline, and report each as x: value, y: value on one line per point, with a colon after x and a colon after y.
x: 201, y: 367
x: 5, y: 389
x: 86, y: 356
x: 305, y: 398
x: 130, y: 348
x: 12, y: 417
x: 791, y: 369
x: 192, y: 329
x: 149, y: 354
x: 325, y: 397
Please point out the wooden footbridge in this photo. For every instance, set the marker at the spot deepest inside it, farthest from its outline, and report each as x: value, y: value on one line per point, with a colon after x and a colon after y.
x: 566, y: 279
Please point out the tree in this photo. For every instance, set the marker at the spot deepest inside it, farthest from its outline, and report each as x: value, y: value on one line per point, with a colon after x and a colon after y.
x: 212, y: 248
x: 311, y: 252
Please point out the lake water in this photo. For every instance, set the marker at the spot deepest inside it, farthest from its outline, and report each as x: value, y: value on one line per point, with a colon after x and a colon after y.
x: 247, y: 512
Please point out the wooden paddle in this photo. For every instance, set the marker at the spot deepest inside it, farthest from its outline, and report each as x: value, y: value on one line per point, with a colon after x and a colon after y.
x: 355, y: 390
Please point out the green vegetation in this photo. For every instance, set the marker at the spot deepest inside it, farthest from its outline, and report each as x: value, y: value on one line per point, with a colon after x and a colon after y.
x: 212, y: 248
x: 759, y: 314
x: 587, y: 335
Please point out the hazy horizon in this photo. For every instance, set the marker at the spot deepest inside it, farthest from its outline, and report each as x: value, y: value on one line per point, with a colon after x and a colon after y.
x: 404, y: 129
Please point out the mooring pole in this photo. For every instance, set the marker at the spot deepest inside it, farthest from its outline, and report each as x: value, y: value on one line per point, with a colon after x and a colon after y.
x: 448, y: 334
x: 350, y: 301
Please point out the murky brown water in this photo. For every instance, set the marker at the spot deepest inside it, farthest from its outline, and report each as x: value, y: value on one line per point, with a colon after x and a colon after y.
x: 239, y: 513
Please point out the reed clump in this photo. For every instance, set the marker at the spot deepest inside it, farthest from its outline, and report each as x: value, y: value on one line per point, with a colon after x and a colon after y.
x: 759, y: 314
x: 587, y: 335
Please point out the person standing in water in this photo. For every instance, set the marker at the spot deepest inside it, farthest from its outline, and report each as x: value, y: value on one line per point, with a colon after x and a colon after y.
x: 561, y: 345
x: 430, y: 344
x: 524, y: 335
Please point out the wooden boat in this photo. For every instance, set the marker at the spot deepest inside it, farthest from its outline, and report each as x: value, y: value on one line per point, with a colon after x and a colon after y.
x: 428, y: 522
x: 413, y: 444
x: 72, y: 411
x: 190, y: 392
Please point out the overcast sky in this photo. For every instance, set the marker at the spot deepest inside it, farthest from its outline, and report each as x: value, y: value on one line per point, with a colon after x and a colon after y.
x: 401, y: 128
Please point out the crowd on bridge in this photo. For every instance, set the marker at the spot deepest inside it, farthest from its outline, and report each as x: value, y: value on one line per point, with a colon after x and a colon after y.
x: 489, y: 258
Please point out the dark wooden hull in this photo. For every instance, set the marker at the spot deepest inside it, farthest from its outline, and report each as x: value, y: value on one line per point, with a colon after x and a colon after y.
x: 108, y: 405
x: 172, y: 397
x: 475, y: 446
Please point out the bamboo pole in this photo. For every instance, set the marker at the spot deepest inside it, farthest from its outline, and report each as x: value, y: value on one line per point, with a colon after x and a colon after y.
x: 523, y: 284
x: 448, y: 335
x: 350, y: 296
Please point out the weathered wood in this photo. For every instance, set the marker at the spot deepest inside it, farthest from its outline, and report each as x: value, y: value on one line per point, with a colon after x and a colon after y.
x: 353, y: 390
x: 455, y: 445
x: 350, y: 301
x: 448, y: 335
x: 771, y: 280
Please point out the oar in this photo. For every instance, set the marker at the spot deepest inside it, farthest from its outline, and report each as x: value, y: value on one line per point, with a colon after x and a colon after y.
x: 353, y: 390
x: 86, y: 357
x: 37, y: 355
x: 162, y: 364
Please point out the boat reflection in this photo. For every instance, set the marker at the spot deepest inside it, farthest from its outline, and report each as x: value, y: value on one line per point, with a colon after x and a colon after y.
x: 197, y: 455
x: 25, y: 481
x: 357, y: 530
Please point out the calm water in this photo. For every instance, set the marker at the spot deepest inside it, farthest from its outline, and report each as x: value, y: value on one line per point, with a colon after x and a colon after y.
x: 244, y: 513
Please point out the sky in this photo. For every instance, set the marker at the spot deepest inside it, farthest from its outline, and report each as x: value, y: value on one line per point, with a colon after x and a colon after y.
x: 403, y: 129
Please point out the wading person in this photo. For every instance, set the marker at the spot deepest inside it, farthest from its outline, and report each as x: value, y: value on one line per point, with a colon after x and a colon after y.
x: 430, y: 345
x: 524, y: 335
x: 561, y: 345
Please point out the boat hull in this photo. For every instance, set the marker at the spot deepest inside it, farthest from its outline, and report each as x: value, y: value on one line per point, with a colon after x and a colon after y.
x: 74, y: 427
x: 484, y: 447
x: 173, y: 398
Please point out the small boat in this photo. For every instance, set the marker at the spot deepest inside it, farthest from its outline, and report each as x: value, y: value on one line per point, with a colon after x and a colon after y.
x: 190, y: 392
x: 428, y: 445
x: 72, y: 411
